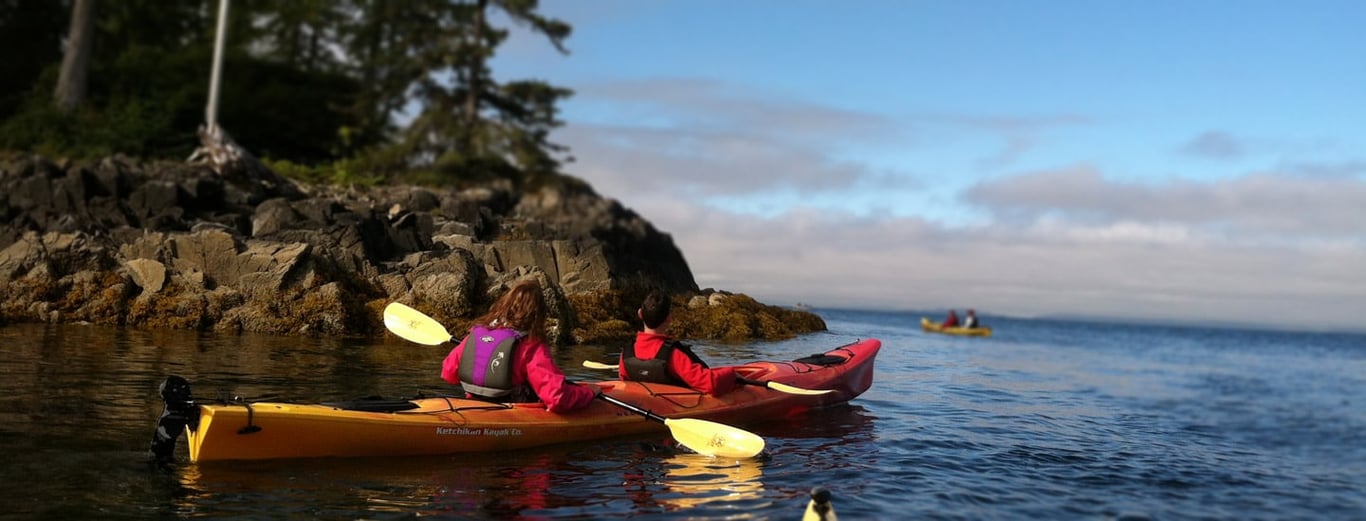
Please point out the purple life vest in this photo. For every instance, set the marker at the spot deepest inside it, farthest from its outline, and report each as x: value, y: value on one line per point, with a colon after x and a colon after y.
x: 486, y: 364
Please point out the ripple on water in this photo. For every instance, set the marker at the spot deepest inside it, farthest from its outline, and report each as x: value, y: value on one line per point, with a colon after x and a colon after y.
x: 1045, y: 421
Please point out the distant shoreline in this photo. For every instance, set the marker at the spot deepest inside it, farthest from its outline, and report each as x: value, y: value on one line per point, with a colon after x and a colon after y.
x: 1107, y: 320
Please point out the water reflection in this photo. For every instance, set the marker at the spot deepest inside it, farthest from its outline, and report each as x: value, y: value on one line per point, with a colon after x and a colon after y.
x: 692, y: 480
x: 515, y: 491
x: 511, y: 486
x: 622, y: 479
x: 80, y: 403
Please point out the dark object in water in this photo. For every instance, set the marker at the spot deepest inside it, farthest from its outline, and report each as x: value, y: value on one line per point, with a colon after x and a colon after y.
x: 820, y: 508
x: 178, y: 413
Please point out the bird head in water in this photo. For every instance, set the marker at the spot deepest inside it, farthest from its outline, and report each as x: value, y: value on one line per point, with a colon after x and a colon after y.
x: 820, y: 508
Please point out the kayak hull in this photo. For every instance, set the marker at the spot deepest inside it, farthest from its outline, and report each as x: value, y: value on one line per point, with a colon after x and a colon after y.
x: 934, y: 327
x: 445, y: 425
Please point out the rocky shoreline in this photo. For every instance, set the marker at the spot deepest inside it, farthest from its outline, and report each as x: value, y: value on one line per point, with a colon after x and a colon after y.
x: 166, y: 244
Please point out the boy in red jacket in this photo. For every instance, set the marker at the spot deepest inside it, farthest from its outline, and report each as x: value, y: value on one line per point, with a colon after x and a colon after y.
x: 659, y: 359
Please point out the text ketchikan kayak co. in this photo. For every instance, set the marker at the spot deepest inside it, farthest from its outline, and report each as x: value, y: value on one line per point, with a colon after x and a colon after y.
x: 477, y: 431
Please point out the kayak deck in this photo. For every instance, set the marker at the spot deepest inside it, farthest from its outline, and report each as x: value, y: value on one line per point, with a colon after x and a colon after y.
x: 448, y: 424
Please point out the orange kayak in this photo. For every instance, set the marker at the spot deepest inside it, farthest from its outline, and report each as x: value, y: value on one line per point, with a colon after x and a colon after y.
x: 443, y: 425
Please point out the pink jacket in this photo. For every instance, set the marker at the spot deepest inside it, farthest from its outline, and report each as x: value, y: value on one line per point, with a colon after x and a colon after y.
x: 534, y: 367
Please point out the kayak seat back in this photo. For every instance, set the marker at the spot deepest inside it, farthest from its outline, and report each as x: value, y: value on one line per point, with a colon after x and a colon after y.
x: 822, y: 360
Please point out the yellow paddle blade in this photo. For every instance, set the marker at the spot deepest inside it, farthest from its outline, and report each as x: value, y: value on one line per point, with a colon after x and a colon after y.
x: 597, y: 365
x: 414, y: 326
x: 795, y: 390
x: 715, y: 439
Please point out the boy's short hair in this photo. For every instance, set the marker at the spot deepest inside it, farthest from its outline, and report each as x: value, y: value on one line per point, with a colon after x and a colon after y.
x: 655, y: 309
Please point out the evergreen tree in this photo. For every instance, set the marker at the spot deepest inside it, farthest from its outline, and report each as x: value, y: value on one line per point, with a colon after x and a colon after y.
x: 470, y: 126
x: 31, y: 33
x: 404, y: 84
x: 304, y: 35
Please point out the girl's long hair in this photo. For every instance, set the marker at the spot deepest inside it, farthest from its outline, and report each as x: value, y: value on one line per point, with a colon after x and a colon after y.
x: 521, y: 308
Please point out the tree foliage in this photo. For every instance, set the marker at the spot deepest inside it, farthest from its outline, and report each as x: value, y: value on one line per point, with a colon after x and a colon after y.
x: 31, y: 33
x: 397, y: 88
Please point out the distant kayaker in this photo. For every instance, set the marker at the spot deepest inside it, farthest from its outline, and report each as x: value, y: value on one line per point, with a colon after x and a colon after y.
x: 505, y: 357
x: 951, y: 320
x: 657, y: 358
x: 970, y: 321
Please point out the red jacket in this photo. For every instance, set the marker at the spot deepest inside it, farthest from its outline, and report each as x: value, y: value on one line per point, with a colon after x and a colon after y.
x: 715, y: 382
x: 536, y: 368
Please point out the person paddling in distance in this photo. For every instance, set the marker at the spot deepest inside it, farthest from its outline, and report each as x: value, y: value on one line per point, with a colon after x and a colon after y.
x: 970, y: 321
x: 505, y: 357
x: 657, y: 358
x: 951, y: 320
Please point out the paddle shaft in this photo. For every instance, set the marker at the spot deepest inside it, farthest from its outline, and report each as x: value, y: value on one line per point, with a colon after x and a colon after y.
x: 633, y: 408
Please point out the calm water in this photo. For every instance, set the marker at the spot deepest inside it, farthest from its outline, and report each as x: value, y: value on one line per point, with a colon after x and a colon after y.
x: 1045, y: 420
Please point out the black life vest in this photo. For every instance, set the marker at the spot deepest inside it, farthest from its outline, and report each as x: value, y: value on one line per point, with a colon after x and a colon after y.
x: 656, y: 370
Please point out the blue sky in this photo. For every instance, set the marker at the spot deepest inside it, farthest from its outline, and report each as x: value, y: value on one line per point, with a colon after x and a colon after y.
x: 1154, y: 160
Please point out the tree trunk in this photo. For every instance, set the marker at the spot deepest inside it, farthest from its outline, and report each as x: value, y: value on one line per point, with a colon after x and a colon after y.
x: 216, y: 147
x: 474, y: 79
x: 71, y: 82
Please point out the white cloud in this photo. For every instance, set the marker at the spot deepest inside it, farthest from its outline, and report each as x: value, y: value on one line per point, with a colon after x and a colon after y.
x: 1125, y: 270
x: 1258, y: 206
x: 1216, y: 145
x: 706, y: 105
x: 1276, y: 246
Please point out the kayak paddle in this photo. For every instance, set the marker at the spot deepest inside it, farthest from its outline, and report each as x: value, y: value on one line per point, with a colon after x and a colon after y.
x: 414, y: 326
x: 702, y: 436
x: 780, y: 387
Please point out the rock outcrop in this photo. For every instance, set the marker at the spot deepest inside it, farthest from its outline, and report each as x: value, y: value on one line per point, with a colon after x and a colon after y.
x: 175, y: 245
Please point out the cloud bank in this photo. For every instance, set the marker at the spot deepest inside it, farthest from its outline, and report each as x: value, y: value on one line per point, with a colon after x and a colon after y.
x: 772, y: 198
